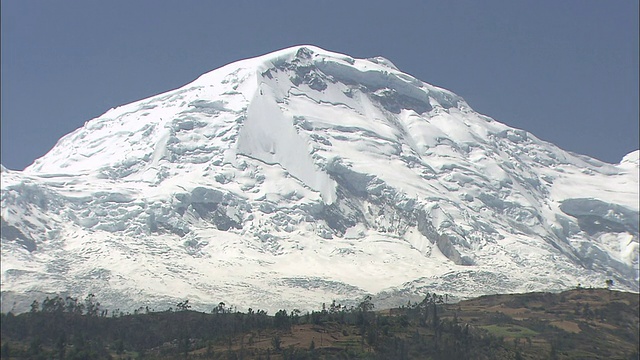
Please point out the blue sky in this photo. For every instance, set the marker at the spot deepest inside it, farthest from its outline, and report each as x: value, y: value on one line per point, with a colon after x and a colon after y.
x: 566, y: 71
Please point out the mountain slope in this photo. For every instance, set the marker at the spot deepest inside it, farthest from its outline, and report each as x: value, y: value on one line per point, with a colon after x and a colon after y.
x: 303, y: 176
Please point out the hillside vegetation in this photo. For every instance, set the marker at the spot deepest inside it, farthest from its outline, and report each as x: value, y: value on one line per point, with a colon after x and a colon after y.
x: 575, y: 324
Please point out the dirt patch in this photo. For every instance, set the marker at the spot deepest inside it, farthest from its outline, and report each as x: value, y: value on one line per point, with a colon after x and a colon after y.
x: 568, y: 326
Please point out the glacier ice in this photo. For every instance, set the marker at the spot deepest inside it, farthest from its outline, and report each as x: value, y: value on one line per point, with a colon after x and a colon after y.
x: 303, y: 176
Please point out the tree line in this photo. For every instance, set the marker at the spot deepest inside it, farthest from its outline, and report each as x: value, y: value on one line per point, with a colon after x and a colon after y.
x: 68, y: 328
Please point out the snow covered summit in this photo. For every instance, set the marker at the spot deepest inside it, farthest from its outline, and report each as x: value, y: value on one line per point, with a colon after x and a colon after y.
x: 304, y: 176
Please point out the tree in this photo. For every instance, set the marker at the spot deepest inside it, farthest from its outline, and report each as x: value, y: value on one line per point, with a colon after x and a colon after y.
x: 295, y: 316
x: 277, y: 343
x: 72, y: 306
x: 366, y: 305
x: 92, y: 307
x: 183, y: 306
x: 119, y: 346
x: 184, y: 344
x: 281, y: 320
x: 53, y: 305
x: 609, y: 283
x: 6, y: 350
x: 220, y: 309
x: 435, y: 320
x: 518, y: 355
x: 35, y: 347
x: 364, y: 309
x: 61, y: 345
x: 35, y: 306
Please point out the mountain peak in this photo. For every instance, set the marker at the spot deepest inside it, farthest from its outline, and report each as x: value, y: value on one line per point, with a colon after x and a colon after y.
x: 304, y: 175
x: 231, y: 89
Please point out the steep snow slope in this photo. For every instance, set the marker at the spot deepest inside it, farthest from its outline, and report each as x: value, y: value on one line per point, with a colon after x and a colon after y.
x: 304, y: 176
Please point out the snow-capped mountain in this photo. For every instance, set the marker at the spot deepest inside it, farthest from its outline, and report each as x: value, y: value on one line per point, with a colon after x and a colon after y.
x: 303, y: 176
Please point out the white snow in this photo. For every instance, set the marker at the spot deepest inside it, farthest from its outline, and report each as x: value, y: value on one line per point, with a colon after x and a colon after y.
x: 303, y: 176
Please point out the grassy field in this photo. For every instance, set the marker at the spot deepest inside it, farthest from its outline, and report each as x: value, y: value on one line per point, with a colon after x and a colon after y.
x: 579, y: 324
x: 575, y: 324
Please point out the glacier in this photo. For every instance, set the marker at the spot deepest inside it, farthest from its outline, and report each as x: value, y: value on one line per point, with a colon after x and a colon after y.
x: 305, y: 176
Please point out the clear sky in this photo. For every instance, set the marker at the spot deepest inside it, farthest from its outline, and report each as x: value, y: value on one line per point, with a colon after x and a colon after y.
x: 566, y: 71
